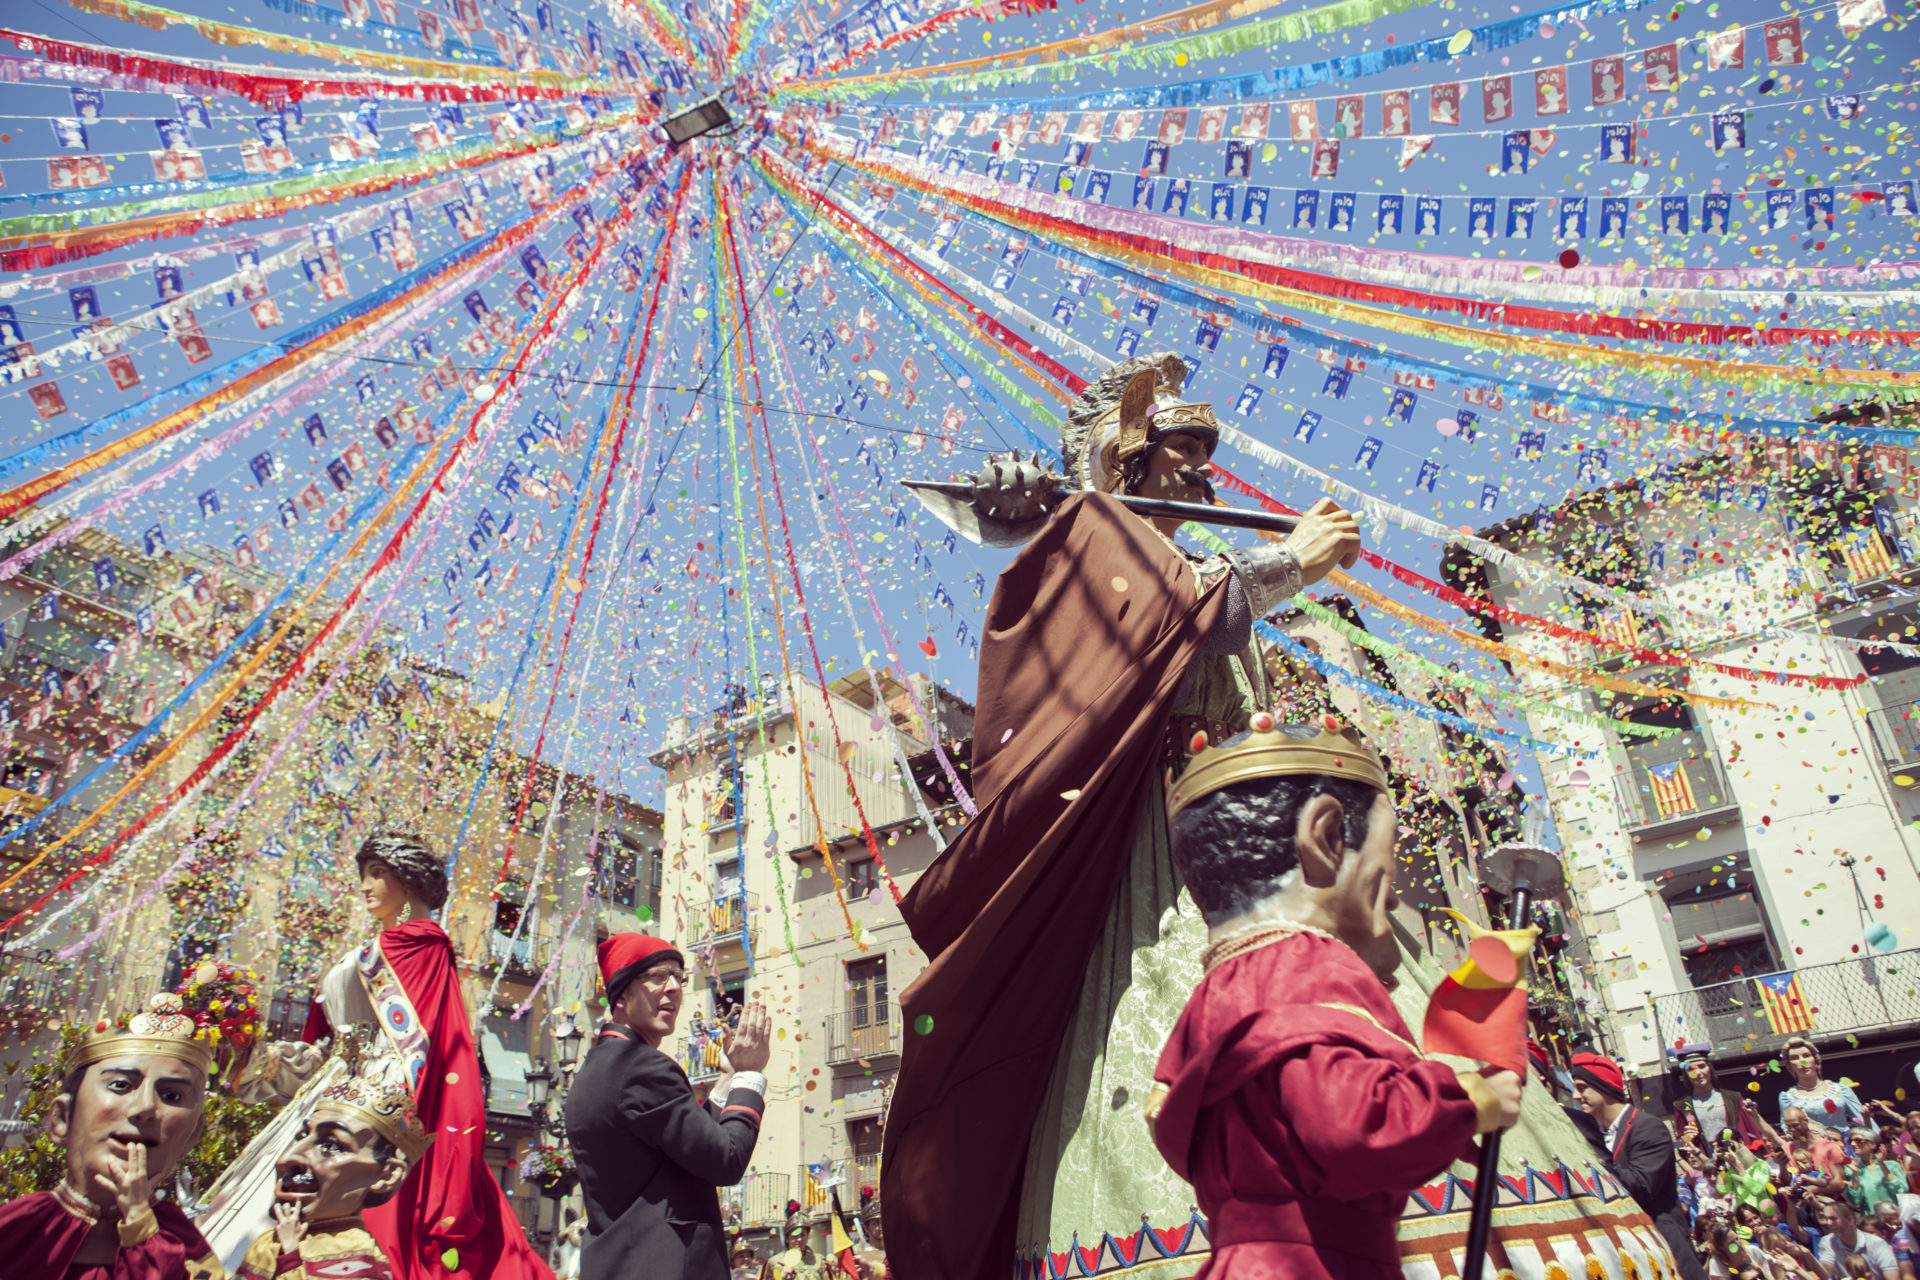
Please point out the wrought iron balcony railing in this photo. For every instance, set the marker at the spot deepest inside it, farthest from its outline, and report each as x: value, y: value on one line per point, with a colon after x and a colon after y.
x: 1684, y: 790
x: 867, y: 1032
x: 1842, y: 998
x: 757, y: 1200
x: 1896, y: 728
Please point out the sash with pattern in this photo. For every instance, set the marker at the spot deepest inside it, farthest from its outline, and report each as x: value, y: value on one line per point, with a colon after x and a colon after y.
x: 394, y: 1012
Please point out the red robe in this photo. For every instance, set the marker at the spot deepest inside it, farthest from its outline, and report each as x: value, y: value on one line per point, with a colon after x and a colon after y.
x: 451, y: 1219
x: 1304, y: 1125
x: 39, y: 1235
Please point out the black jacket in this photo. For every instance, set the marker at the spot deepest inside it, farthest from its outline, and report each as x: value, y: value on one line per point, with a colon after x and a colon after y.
x: 651, y: 1159
x: 1642, y: 1158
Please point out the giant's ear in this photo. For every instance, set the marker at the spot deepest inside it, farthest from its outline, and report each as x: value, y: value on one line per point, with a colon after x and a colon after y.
x: 1320, y: 840
x: 393, y: 1172
x: 60, y: 1118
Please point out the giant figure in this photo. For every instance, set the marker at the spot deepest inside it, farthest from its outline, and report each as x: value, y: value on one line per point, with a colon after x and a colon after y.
x: 451, y: 1219
x: 1033, y: 1032
x: 1062, y: 943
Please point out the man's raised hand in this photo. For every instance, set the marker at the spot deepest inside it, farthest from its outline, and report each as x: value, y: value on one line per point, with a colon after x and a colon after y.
x: 750, y: 1044
x: 1327, y: 536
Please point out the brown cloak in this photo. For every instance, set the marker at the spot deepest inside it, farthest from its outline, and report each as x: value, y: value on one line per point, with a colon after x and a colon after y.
x: 1089, y: 638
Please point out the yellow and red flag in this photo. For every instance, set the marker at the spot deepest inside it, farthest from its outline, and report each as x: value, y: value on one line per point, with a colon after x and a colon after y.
x: 843, y: 1244
x: 1480, y: 1009
x: 1786, y: 1005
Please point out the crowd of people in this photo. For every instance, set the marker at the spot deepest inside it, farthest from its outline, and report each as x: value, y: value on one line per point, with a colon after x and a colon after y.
x: 1828, y: 1188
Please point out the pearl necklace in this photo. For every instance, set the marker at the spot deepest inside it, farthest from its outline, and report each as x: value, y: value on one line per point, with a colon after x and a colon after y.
x: 1252, y: 938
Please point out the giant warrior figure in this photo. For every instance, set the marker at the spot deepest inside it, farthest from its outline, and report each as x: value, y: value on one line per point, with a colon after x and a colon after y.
x: 1061, y: 942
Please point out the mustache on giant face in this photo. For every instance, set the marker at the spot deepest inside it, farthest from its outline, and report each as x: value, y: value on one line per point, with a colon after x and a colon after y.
x: 1196, y: 478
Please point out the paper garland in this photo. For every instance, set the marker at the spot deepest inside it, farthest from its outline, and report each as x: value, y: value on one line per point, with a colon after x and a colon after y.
x: 1257, y: 279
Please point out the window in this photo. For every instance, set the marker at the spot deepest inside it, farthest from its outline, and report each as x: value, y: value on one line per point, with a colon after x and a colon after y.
x: 867, y: 991
x: 728, y: 997
x: 863, y: 1136
x: 726, y: 878
x: 1719, y: 926
x: 630, y: 874
x: 507, y: 1045
x: 862, y: 877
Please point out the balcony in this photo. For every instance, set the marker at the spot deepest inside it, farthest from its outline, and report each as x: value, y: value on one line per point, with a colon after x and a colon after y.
x: 1845, y: 998
x: 37, y: 985
x: 862, y: 1035
x: 521, y: 957
x: 1660, y: 798
x: 757, y: 1200
x: 700, y: 1056
x: 1896, y: 728
x: 847, y: 1175
x: 726, y: 917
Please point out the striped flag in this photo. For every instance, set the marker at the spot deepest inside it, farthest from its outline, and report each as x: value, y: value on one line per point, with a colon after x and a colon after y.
x: 1786, y: 1006
x: 1672, y: 792
x: 1866, y: 555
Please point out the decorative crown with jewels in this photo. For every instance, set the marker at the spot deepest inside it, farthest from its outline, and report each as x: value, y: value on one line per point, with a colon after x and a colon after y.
x: 385, y: 1104
x: 1269, y: 750
x: 163, y: 1029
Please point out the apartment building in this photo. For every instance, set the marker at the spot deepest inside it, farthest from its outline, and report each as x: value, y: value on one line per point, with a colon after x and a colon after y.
x: 99, y: 635
x: 1743, y: 852
x: 792, y: 816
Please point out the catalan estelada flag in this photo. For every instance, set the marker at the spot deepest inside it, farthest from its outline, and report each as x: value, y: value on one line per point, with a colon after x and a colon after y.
x: 1786, y: 1006
x: 1672, y: 790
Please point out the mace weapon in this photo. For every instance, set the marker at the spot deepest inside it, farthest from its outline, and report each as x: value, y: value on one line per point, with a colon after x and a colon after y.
x: 1520, y: 872
x: 1009, y: 501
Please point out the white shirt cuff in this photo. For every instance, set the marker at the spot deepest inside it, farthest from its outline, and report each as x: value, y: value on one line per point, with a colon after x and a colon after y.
x: 750, y: 1080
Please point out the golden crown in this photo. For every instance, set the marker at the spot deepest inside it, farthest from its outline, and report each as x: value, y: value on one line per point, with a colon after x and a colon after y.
x: 164, y: 1029
x: 386, y: 1105
x: 1273, y: 750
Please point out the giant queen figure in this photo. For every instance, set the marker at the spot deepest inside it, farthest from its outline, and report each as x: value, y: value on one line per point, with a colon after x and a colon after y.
x: 1061, y: 942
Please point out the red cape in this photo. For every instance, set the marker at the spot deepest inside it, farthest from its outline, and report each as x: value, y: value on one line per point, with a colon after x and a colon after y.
x: 451, y: 1219
x: 1091, y: 633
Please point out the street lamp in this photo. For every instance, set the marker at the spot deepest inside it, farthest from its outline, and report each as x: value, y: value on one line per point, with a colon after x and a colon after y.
x: 539, y: 1085
x: 566, y: 1044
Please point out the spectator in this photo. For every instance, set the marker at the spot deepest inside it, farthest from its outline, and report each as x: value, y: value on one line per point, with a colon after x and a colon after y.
x: 1878, y: 1178
x: 1886, y: 1224
x: 1809, y: 1148
x: 1844, y: 1240
x: 1710, y: 1110
x: 1825, y: 1102
x: 1786, y: 1259
x: 1908, y: 1149
x: 1639, y: 1151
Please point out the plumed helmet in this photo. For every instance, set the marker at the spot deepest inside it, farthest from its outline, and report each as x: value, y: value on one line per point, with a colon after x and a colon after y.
x: 413, y: 861
x: 1125, y: 410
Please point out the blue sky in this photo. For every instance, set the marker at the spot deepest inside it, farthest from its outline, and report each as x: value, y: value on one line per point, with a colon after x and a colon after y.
x: 662, y: 622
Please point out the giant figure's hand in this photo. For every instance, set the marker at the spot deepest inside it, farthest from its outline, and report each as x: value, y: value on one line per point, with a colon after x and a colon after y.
x: 750, y: 1044
x: 1327, y: 536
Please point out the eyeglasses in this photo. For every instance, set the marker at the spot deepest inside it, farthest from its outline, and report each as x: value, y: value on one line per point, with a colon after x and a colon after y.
x: 657, y: 979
